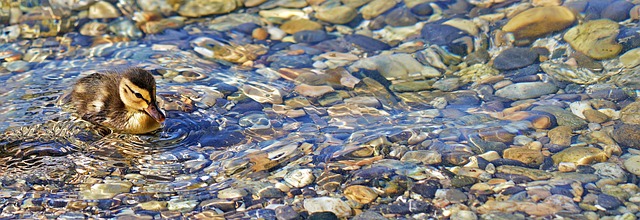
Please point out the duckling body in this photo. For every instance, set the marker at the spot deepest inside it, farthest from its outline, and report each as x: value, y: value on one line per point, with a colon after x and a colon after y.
x: 122, y: 101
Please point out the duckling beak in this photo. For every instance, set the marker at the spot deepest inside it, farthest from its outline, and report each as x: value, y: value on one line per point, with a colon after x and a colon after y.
x: 155, y: 113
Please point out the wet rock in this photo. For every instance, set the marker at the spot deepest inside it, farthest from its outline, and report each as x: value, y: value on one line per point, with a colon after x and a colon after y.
x: 313, y: 91
x: 526, y: 90
x: 445, y: 36
x: 327, y: 204
x: 375, y: 8
x: 337, y: 15
x: 293, y: 62
x: 610, y: 171
x: 360, y: 194
x: 580, y: 155
x: 106, y: 190
x: 296, y: 25
x: 595, y: 116
x: 181, y: 205
x: 199, y: 8
x: 534, y: 174
x: 631, y: 58
x: 563, y: 117
x: 525, y: 155
x: 617, y: 10
x: 596, y: 39
x: 400, y: 17
x: 608, y: 202
x: 309, y: 36
x: 560, y: 135
x: 422, y: 10
x: 539, y: 21
x: 366, y: 43
x: 300, y: 177
x: 153, y: 205
x: 515, y: 58
x: 630, y: 114
x: 286, y: 212
x: 627, y: 135
x: 369, y: 215
x: 632, y: 164
x: 103, y: 9
x: 424, y: 156
x: 323, y: 216
x: 260, y: 34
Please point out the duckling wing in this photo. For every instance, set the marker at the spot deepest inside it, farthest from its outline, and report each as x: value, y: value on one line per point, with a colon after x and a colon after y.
x: 96, y: 97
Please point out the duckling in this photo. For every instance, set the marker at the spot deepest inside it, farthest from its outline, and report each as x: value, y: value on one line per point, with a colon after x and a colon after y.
x: 122, y: 101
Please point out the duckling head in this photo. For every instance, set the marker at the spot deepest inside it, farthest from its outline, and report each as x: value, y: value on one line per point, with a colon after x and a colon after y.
x: 138, y: 93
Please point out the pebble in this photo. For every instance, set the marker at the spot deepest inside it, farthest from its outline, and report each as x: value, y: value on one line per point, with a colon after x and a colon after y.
x: 444, y: 36
x: 580, y: 155
x: 563, y: 117
x: 627, y: 135
x: 608, y: 202
x: 365, y: 43
x: 199, y: 8
x: 515, y: 58
x: 561, y: 135
x: 630, y: 58
x: 360, y: 194
x: 617, y: 10
x: 314, y: 36
x: 297, y: 25
x: 400, y: 17
x: 300, y: 178
x: 632, y: 164
x: 423, y: 156
x: 327, y: 204
x: 596, y: 39
x: 375, y: 8
x: 103, y: 9
x: 630, y: 114
x: 595, y: 116
x: 337, y: 15
x: 106, y: 190
x: 526, y: 90
x: 525, y: 155
x: 539, y: 21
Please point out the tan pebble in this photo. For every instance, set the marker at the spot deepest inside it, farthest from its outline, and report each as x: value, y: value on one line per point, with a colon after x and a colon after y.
x: 596, y: 38
x: 561, y: 135
x: 103, y: 9
x: 524, y: 155
x: 337, y: 15
x: 632, y: 165
x: 313, y: 91
x: 580, y: 155
x: 539, y: 21
x: 630, y: 114
x: 296, y: 25
x: 360, y: 194
x: 631, y: 58
x: 535, y: 145
x: 260, y: 34
x: 595, y: 116
x: 546, y: 2
x: 567, y: 167
x: 375, y: 8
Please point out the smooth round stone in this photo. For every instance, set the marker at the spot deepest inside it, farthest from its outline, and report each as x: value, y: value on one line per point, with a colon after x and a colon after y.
x: 515, y: 58
x: 464, y: 215
x: 596, y: 39
x: 300, y: 178
x: 525, y: 155
x: 153, y: 205
x: 448, y: 84
x: 423, y: 156
x: 313, y: 91
x: 563, y: 117
x: 400, y: 17
x: 365, y: 101
x: 18, y: 66
x: 595, y: 116
x: 293, y: 62
x: 630, y: 114
x: 323, y: 216
x: 580, y: 155
x: 107, y: 190
x: 286, y: 212
x: 103, y: 9
x: 232, y: 193
x: 199, y: 8
x: 632, y: 164
x: 360, y: 194
x: 627, y: 135
x: 422, y: 10
x: 327, y: 204
x: 608, y: 202
x: 337, y: 15
x: 560, y: 135
x: 375, y: 8
x: 182, y: 205
x: 617, y: 11
x: 539, y: 21
x: 309, y: 36
x: 296, y: 25
x: 631, y: 58
x: 526, y: 90
x: 610, y: 171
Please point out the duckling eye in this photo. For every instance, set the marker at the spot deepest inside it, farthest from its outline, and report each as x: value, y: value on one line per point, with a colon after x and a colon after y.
x: 138, y: 95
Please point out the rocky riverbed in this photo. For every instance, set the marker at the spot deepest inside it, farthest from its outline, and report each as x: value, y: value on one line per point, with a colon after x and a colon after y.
x: 328, y: 109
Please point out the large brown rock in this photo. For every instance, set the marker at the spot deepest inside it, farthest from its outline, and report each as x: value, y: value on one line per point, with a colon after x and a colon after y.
x: 596, y: 39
